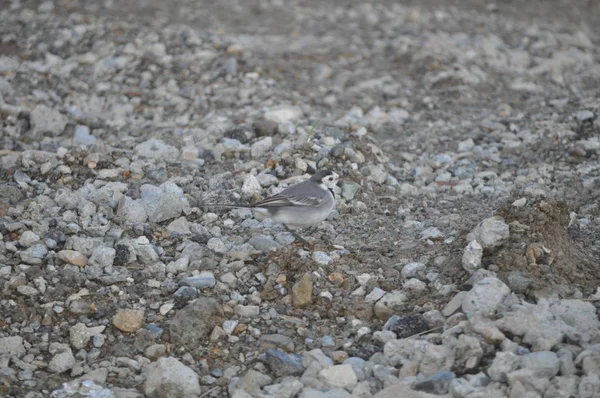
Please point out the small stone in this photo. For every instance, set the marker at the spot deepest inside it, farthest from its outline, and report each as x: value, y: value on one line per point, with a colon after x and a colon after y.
x: 349, y: 189
x: 277, y: 341
x: 206, y: 279
x: 471, y: 260
x: 62, y: 361
x: 79, y: 336
x: 193, y: 323
x: 543, y: 364
x: 342, y: 376
x: 518, y: 282
x: 432, y: 233
x: 261, y: 147
x: 503, y: 364
x: 413, y: 270
x: 455, y: 304
x: 438, y: 383
x: 490, y: 233
x: 321, y: 258
x: 264, y: 244
x: 406, y: 326
x: 179, y: 227
x: 282, y: 364
x: 283, y: 114
x: 302, y: 292
x: 155, y: 351
x: 82, y: 136
x: 216, y: 245
x: 73, y: 257
x: 47, y: 120
x: 251, y: 186
x: 247, y: 311
x: 28, y: 238
x: 157, y: 150
x: 103, y: 256
x: 167, y: 377
x: 12, y: 346
x: 128, y: 320
x: 375, y: 173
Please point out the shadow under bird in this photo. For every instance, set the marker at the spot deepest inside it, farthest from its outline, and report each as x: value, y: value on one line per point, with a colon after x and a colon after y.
x: 302, y: 205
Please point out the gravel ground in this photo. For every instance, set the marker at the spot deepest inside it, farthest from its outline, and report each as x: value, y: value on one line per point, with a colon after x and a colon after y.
x: 461, y: 261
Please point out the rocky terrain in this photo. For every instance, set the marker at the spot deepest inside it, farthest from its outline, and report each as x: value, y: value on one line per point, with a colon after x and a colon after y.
x: 462, y: 258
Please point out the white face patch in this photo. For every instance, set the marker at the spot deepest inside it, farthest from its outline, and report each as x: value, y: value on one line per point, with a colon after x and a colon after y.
x: 330, y: 181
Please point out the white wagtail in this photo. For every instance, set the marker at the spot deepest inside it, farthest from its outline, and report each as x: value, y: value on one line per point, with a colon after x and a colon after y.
x: 302, y: 205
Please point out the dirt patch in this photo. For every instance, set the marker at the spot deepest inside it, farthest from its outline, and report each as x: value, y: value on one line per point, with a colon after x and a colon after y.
x: 544, y: 245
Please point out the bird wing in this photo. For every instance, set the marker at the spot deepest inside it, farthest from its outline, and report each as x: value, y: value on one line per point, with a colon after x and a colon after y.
x: 289, y: 200
x: 303, y: 194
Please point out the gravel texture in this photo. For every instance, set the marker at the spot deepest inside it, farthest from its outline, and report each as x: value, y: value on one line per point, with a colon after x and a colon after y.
x: 462, y: 257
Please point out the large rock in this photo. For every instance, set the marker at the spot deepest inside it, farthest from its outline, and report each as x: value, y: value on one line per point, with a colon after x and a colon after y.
x: 193, y: 323
x: 484, y: 297
x: 168, y: 377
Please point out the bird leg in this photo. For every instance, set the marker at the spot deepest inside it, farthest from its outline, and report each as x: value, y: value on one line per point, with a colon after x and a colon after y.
x: 297, y: 237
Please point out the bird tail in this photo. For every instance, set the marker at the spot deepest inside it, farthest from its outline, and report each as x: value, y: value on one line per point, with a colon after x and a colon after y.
x: 225, y: 206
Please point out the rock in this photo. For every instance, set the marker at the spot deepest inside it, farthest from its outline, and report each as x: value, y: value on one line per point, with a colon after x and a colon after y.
x: 157, y: 150
x: 503, y: 364
x: 167, y: 377
x: 103, y: 257
x: 264, y: 244
x: 73, y: 257
x: 241, y: 252
x: 206, y: 279
x: 277, y: 341
x: 251, y: 383
x: 192, y: 324
x: 321, y: 258
x: 432, y: 233
x: 545, y: 336
x: 413, y: 270
x: 349, y: 189
x: 128, y: 320
x: 302, y: 292
x: 47, y: 120
x: 34, y: 254
x: 82, y: 136
x: 490, y: 233
x: 282, y: 364
x: 261, y: 147
x: 404, y: 391
x: 438, y: 383
x: 543, y: 364
x: 251, y: 187
x: 12, y: 346
x: 523, y: 381
x: 471, y: 260
x: 406, y: 326
x: 288, y: 388
x: 484, y: 297
x: 62, y: 361
x: 179, y: 227
x: 580, y: 315
x: 155, y: 351
x: 389, y: 304
x: 589, y: 387
x: 131, y: 211
x: 79, y: 336
x: 375, y: 173
x: 455, y: 304
x: 28, y: 238
x: 283, y: 114
x: 341, y: 376
x: 247, y: 311
x: 163, y: 203
x: 517, y: 282
x: 562, y: 387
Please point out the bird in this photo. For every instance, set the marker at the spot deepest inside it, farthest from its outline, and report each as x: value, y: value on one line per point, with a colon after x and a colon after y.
x: 300, y: 206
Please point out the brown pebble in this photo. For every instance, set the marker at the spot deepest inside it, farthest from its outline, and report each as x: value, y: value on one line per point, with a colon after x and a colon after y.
x: 73, y: 257
x: 302, y: 292
x: 128, y: 320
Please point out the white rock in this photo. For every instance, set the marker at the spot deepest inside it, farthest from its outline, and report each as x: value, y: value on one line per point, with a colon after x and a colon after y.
x: 484, y: 297
x: 342, y: 376
x: 260, y: 147
x: 471, y: 260
x: 251, y: 186
x: 168, y: 377
x: 491, y: 233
